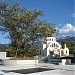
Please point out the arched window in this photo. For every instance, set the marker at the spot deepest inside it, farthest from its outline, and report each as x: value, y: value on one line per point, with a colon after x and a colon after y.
x: 50, y: 45
x: 50, y: 39
x: 54, y: 45
x: 66, y: 51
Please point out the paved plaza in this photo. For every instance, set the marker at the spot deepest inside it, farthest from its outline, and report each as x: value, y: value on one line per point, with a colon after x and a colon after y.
x: 54, y: 69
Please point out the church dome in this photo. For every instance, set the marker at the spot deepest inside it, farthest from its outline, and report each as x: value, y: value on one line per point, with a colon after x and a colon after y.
x: 49, y: 37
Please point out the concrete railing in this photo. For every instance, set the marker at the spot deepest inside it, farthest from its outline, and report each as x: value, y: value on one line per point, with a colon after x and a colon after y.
x: 19, y: 62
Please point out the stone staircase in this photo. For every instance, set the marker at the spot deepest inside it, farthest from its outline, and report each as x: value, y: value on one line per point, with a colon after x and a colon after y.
x: 49, y: 59
x: 42, y: 59
x: 54, y: 59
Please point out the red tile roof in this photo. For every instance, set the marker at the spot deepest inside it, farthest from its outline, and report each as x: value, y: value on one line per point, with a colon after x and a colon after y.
x: 49, y: 35
x: 44, y: 42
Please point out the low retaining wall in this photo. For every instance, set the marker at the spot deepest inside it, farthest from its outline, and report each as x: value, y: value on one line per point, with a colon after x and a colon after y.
x: 19, y: 62
x: 2, y: 55
x: 65, y: 62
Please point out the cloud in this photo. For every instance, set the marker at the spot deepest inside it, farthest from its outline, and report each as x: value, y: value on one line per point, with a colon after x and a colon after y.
x: 59, y: 24
x: 67, y: 29
x: 73, y: 15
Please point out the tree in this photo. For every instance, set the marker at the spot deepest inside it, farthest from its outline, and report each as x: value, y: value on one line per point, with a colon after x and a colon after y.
x: 23, y: 25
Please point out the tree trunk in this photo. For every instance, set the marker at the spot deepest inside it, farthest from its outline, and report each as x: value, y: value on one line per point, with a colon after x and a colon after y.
x: 16, y: 52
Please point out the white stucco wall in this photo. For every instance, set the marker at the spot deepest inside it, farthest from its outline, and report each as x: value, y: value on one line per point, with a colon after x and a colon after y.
x: 2, y: 55
x: 44, y: 46
x: 66, y: 50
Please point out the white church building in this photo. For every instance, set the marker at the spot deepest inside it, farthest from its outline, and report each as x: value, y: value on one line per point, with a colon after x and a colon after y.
x: 51, y: 45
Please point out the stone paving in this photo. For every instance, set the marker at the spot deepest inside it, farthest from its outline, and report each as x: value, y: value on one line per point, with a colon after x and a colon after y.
x: 57, y: 69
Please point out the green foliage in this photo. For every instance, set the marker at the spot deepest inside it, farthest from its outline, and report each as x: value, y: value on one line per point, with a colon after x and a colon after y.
x: 29, y: 51
x: 10, y: 53
x: 23, y: 25
x: 62, y: 43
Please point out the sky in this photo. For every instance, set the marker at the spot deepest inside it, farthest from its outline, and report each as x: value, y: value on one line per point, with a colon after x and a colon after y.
x: 59, y: 12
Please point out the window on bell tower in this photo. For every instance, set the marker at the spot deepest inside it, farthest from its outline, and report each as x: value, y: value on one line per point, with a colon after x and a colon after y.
x: 52, y: 39
x: 54, y: 45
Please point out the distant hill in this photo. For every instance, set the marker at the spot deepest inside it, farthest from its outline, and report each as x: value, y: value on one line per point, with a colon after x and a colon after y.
x: 68, y: 38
